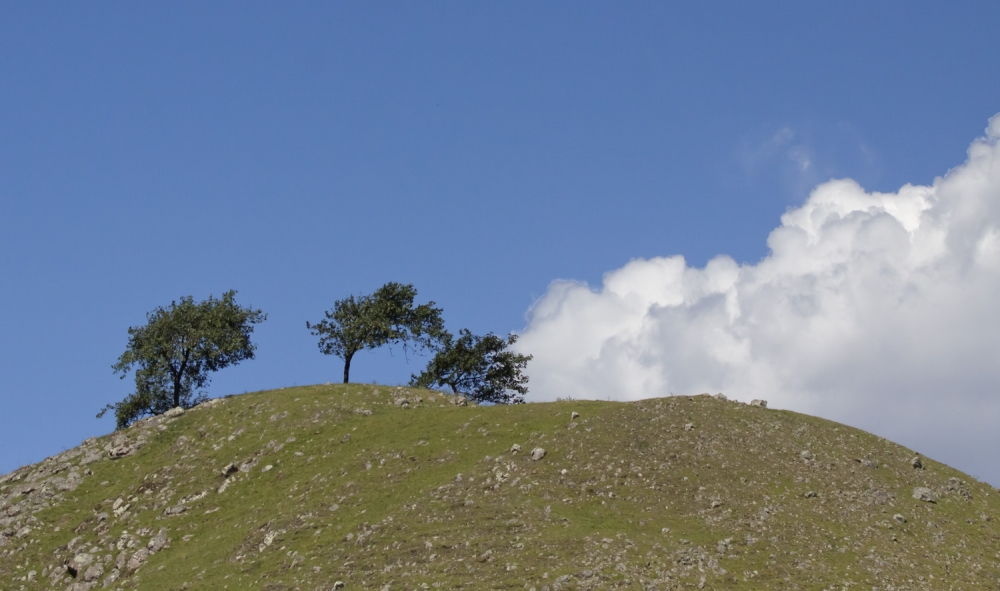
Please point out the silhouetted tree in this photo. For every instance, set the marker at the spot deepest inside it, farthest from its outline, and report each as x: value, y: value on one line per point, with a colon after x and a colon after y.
x: 482, y: 368
x: 176, y: 350
x: 385, y: 317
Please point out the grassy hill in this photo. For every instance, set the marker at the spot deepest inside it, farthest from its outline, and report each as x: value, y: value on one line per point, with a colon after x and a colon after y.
x: 321, y: 486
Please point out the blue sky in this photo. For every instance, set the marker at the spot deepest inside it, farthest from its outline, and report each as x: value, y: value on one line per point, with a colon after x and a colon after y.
x: 480, y: 151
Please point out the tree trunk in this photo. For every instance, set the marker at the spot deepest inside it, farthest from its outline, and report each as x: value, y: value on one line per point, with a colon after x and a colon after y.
x: 177, y: 391
x: 347, y: 366
x: 178, y: 376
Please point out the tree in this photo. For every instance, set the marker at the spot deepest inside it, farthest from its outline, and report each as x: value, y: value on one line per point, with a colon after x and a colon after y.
x: 387, y: 316
x: 176, y: 350
x: 480, y: 367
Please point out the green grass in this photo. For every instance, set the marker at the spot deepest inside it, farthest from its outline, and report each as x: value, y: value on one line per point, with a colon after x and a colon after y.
x: 633, y: 510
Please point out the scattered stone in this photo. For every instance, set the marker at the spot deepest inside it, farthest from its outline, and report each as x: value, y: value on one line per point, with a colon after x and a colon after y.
x: 110, y: 579
x: 916, y: 463
x: 176, y: 510
x: 119, y: 507
x: 210, y: 403
x: 138, y: 559
x: 158, y: 542
x: 191, y: 499
x: 758, y: 402
x: 689, y: 427
x: 924, y: 494
x: 460, y: 401
x: 515, y: 449
x: 956, y: 485
x: 806, y: 455
x: 899, y: 518
x: 537, y: 454
x: 249, y: 464
x: 402, y: 403
x: 121, y: 447
x: 229, y: 470
x: 91, y: 456
x: 810, y: 495
x: 345, y: 438
x: 574, y: 415
x: 174, y: 412
x: 94, y: 572
x: 268, y: 540
x: 79, y: 563
x: 720, y: 397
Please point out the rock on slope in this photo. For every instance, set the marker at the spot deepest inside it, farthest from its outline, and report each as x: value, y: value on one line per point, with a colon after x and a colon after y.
x: 325, y: 487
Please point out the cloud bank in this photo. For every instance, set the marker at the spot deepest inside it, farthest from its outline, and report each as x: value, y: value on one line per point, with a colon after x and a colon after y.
x: 881, y: 310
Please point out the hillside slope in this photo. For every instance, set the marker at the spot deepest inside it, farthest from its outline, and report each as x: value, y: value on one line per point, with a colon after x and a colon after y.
x: 302, y: 488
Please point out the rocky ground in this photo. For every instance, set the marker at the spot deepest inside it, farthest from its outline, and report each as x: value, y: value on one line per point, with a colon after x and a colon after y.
x: 362, y: 487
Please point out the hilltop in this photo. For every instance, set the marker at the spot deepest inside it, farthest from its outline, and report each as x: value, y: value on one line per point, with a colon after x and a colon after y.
x: 370, y: 487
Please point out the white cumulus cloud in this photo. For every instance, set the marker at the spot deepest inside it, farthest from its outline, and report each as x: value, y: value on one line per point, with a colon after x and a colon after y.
x: 881, y: 310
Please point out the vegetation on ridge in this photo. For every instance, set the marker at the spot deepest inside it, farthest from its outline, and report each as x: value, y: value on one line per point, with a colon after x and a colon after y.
x: 481, y: 367
x: 180, y: 345
x: 176, y: 350
x: 385, y: 317
x: 304, y: 487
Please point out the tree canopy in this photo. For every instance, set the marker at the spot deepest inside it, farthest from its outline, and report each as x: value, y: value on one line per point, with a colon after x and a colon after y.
x: 385, y: 317
x: 481, y: 367
x: 177, y: 349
